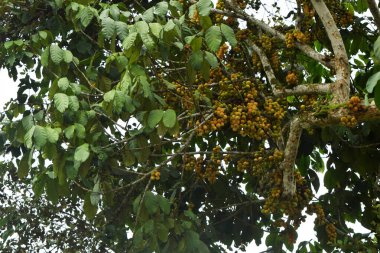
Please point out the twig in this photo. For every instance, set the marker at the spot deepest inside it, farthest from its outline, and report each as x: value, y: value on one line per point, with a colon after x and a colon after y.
x: 374, y: 9
x: 88, y: 81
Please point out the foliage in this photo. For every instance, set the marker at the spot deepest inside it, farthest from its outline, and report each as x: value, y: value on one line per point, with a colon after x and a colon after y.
x: 174, y: 122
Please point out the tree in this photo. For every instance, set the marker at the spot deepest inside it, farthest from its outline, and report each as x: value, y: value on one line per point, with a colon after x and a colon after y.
x: 180, y: 126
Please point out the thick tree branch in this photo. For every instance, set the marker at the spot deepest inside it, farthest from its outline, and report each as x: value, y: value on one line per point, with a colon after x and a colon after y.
x: 309, y: 120
x: 251, y: 20
x: 374, y: 9
x: 341, y: 88
x: 287, y: 165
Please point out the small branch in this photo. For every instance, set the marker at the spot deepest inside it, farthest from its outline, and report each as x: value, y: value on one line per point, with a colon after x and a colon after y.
x: 374, y: 9
x: 287, y: 165
x: 341, y: 88
x: 309, y: 51
x: 88, y: 81
x: 267, y: 67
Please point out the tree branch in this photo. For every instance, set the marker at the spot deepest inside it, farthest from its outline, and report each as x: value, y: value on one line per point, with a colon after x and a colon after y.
x: 341, y: 88
x: 374, y: 9
x: 287, y: 165
x: 302, y: 89
x: 250, y: 19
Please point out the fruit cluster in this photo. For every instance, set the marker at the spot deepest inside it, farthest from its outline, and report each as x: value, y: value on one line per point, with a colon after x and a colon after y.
x: 331, y: 232
x: 293, y: 36
x: 189, y: 162
x: 266, y: 43
x: 349, y: 120
x: 318, y: 210
x: 219, y: 6
x: 291, y: 78
x: 275, y: 61
x: 271, y: 187
x: 216, y: 122
x: 243, y: 165
x: 222, y: 51
x: 354, y: 104
x: 155, y: 175
x: 206, y: 169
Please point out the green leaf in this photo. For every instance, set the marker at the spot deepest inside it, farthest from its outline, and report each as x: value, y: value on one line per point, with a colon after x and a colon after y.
x: 156, y: 29
x: 118, y: 102
x: 82, y: 153
x: 115, y: 11
x: 108, y: 96
x: 205, y: 22
x: 142, y: 27
x: 52, y: 134
x: 45, y: 57
x: 376, y: 48
x: 148, y: 41
x: 129, y: 40
x: 196, y: 44
x: 169, y: 118
x: 155, y: 117
x: 169, y: 26
x: 95, y: 194
x: 377, y: 96
x: 85, y: 15
x: 164, y: 204
x: 213, y: 38
x: 40, y: 136
x: 52, y: 190
x: 150, y: 202
x: 211, y: 59
x: 162, y: 232
x: 121, y: 29
x: 204, y: 7
x: 73, y: 103
x: 67, y: 56
x: 161, y: 9
x: 28, y: 137
x: 24, y: 165
x: 69, y: 132
x: 196, y: 60
x: 63, y: 83
x: 148, y: 15
x: 56, y: 54
x: 372, y: 82
x: 27, y: 122
x: 8, y: 44
x: 108, y: 27
x: 228, y: 34
x: 88, y: 208
x: 61, y: 102
x: 80, y: 130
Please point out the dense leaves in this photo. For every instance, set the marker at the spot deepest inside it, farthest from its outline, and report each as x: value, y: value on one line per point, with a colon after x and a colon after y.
x: 164, y: 126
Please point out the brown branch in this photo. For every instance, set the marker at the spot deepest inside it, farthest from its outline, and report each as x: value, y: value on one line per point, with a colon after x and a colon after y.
x: 305, y: 89
x: 374, y: 9
x: 266, y: 66
x: 302, y: 89
x: 341, y: 88
x: 287, y: 165
x: 309, y: 51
